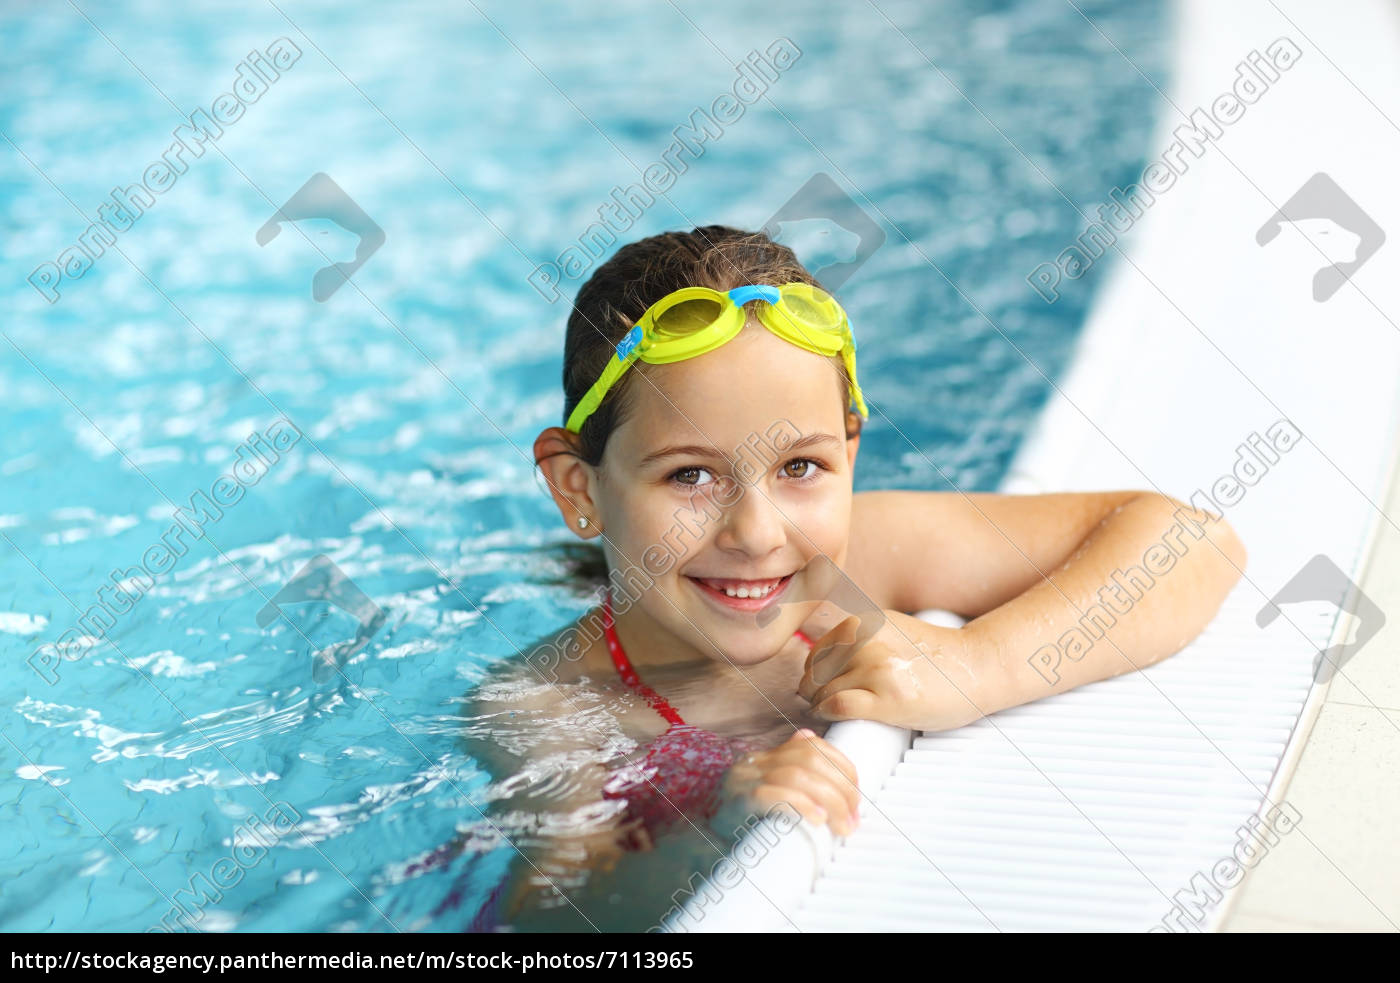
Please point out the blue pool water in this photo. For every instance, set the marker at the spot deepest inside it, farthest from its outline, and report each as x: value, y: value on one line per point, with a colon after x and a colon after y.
x: 481, y: 138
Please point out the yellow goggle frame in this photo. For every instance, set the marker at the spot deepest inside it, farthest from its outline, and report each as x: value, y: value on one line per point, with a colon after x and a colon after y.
x: 695, y: 320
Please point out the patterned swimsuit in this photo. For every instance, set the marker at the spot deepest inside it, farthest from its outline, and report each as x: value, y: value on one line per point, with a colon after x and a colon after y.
x: 679, y: 779
x: 681, y: 775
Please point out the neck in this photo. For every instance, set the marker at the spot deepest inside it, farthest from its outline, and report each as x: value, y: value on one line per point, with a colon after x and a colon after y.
x: 648, y: 645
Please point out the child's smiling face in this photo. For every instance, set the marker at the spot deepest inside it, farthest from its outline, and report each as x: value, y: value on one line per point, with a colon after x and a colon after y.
x: 707, y: 518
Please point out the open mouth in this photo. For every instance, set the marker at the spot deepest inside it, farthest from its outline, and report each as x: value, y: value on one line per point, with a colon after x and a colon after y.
x: 742, y: 595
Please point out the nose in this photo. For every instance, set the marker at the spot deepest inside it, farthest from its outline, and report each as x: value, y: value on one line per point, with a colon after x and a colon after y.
x: 753, y: 524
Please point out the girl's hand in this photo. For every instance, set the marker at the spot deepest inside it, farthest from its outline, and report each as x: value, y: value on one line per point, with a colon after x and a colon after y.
x: 807, y: 773
x: 908, y: 673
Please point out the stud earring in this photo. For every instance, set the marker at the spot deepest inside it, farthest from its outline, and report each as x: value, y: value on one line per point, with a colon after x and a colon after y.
x: 583, y: 522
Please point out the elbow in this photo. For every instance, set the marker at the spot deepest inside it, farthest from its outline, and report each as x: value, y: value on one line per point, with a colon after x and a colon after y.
x: 1233, y: 556
x: 1208, y: 532
x: 1233, y: 545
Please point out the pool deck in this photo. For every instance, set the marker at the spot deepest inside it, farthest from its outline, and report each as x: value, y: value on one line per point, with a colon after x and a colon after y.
x: 1346, y: 876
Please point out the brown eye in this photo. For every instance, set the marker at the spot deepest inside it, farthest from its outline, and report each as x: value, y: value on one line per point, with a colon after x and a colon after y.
x: 803, y: 464
x: 683, y: 476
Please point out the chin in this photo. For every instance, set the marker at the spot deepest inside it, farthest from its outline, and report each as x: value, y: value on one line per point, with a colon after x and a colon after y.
x: 752, y: 649
x: 747, y: 659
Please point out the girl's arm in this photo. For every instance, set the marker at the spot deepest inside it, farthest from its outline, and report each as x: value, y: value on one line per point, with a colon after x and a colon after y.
x: 1062, y: 590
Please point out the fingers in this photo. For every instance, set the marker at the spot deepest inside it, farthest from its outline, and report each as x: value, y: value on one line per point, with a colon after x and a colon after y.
x: 813, y: 778
x: 816, y: 797
x: 829, y: 656
x: 861, y: 678
x: 851, y: 695
x: 768, y: 796
x: 810, y: 765
x: 848, y: 704
x: 830, y: 757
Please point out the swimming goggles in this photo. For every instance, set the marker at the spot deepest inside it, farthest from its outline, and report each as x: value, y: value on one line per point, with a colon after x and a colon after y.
x: 695, y: 320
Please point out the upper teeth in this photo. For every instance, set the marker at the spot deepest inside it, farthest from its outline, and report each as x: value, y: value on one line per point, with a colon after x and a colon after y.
x: 750, y: 591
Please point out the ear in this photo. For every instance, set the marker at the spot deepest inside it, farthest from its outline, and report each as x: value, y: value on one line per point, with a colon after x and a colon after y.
x: 569, y: 479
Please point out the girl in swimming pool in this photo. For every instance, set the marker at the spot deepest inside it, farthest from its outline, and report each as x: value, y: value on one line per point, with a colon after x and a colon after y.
x: 713, y: 417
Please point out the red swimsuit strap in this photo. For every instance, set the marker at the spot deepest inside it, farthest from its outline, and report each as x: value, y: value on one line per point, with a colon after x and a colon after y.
x: 629, y: 675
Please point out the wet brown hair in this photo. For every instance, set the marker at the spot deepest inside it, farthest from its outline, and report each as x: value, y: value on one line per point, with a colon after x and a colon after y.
x: 637, y: 276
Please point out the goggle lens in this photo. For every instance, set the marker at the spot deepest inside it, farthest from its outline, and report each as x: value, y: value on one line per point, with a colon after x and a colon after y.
x: 687, y: 317
x: 811, y: 307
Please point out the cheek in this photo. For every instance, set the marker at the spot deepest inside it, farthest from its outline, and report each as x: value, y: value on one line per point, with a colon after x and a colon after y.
x: 829, y: 540
x: 654, y: 538
x: 825, y: 518
x: 634, y: 515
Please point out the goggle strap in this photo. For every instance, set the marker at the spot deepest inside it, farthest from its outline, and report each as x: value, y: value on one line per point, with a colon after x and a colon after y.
x: 848, y: 355
x: 611, y: 373
x: 742, y: 295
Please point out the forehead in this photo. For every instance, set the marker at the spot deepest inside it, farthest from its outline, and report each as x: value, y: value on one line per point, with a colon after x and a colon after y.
x: 746, y: 386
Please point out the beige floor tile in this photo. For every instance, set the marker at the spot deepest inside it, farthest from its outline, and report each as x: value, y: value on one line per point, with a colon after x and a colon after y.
x: 1340, y: 869
x: 1372, y: 675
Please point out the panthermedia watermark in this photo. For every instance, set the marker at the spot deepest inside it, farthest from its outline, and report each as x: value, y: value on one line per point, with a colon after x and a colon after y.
x: 321, y: 580
x: 754, y: 839
x: 125, y: 206
x: 827, y: 230
x: 1254, y: 458
x: 1127, y: 206
x: 1334, y: 225
x: 626, y: 206
x: 116, y: 598
x: 321, y: 199
x: 1254, y: 841
x: 249, y: 844
x: 1320, y: 579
